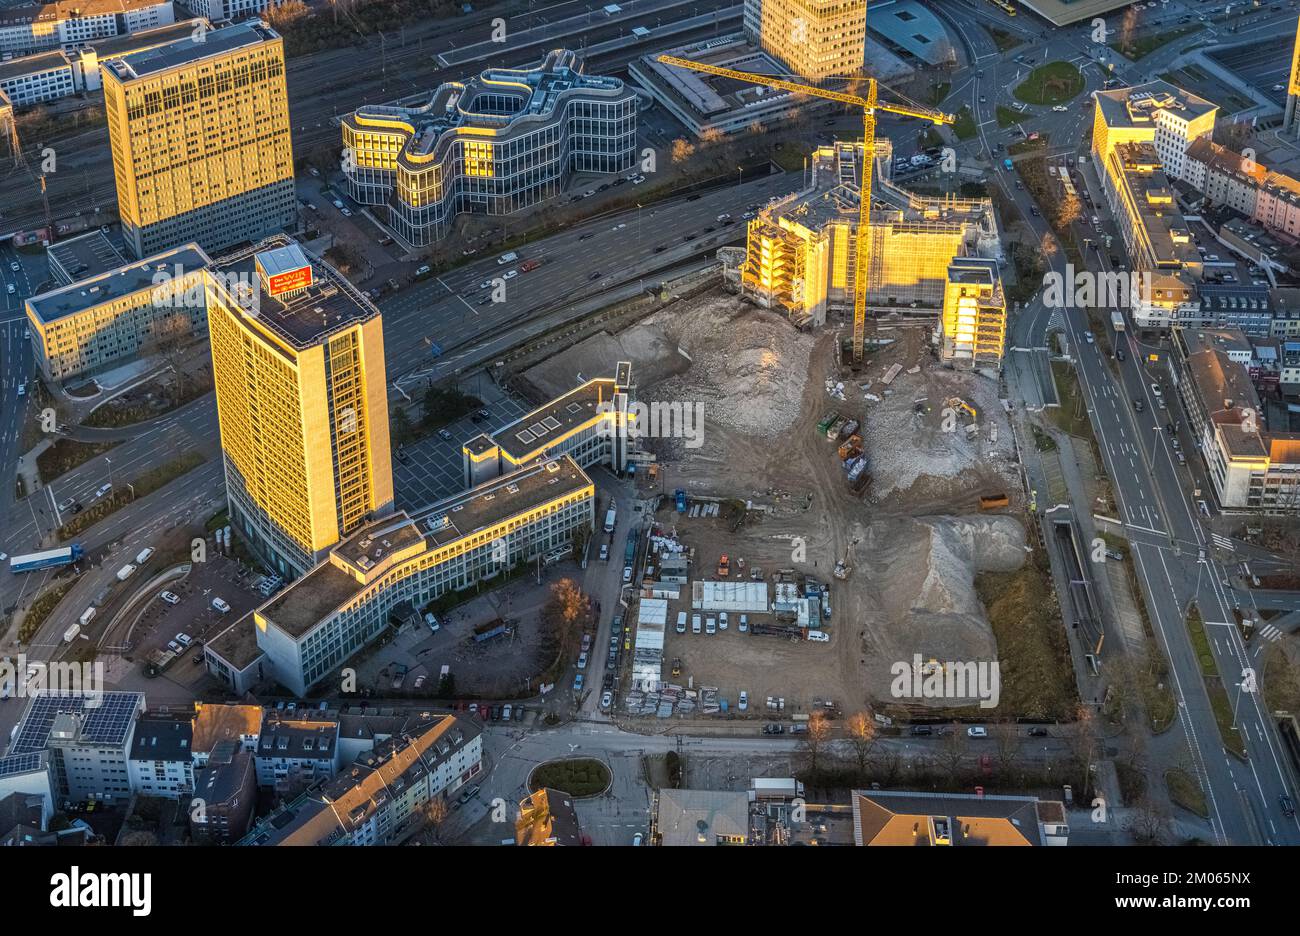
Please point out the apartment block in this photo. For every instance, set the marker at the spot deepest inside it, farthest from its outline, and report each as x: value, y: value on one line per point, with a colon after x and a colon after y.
x: 162, y: 758
x: 937, y: 820
x: 38, y: 78
x: 298, y: 364
x: 1250, y: 466
x: 200, y: 140
x: 815, y: 39
x: 386, y: 794
x: 113, y: 318
x: 1167, y: 117
x: 296, y: 750
x: 41, y: 27
x: 88, y: 739
x: 226, y: 789
x: 387, y: 570
x: 501, y: 142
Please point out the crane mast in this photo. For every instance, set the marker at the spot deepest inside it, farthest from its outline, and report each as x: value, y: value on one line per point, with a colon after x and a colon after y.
x: 869, y: 104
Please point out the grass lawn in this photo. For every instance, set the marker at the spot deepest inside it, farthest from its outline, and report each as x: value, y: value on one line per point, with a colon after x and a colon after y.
x: 40, y: 609
x: 1184, y: 791
x: 1136, y: 48
x: 123, y: 494
x: 1214, y: 687
x: 938, y: 92
x: 580, y: 776
x: 1053, y: 83
x: 964, y: 126
x: 1008, y: 116
x: 66, y: 454
x: 1072, y: 415
x: 1004, y: 39
x: 1035, y: 659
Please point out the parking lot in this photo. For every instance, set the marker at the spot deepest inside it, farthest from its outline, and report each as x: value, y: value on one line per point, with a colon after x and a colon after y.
x: 432, y: 468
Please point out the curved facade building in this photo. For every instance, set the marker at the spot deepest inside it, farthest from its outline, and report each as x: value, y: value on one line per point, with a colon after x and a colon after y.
x: 498, y: 143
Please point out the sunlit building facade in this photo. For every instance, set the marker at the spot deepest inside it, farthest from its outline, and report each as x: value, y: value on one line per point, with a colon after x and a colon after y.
x: 800, y: 251
x: 973, y: 325
x: 499, y: 143
x: 200, y: 140
x: 815, y: 38
x: 298, y: 364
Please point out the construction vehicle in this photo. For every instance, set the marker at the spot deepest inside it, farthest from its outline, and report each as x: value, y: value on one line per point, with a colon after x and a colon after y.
x: 833, y: 430
x: 993, y: 501
x: 851, y: 448
x: 680, y: 496
x: 844, y: 566
x: 957, y: 404
x: 848, y: 429
x: 677, y: 666
x: 724, y: 566
x: 826, y: 422
x: 869, y: 104
x: 858, y: 474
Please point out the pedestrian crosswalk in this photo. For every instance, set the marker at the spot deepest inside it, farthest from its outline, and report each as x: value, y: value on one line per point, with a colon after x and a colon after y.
x: 1269, y: 632
x: 1223, y: 542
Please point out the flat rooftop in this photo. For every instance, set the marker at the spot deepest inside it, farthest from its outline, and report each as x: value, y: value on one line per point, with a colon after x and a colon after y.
x: 711, y: 95
x: 1167, y: 234
x: 31, y: 64
x: 216, y: 42
x: 534, y: 431
x: 304, y: 318
x: 123, y: 281
x: 1065, y: 12
x: 86, y: 256
x: 67, y: 9
x: 145, y: 39
x: 1136, y: 106
x: 237, y: 644
x: 310, y: 599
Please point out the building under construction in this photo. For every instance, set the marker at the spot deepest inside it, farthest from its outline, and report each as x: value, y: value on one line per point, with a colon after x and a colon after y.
x: 800, y: 250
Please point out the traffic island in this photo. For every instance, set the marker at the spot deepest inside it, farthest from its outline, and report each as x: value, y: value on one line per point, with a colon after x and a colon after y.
x: 580, y: 777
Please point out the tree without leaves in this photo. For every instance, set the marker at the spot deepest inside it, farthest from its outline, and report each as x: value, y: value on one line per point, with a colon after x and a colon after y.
x: 814, y: 741
x: 862, y: 735
x: 953, y: 752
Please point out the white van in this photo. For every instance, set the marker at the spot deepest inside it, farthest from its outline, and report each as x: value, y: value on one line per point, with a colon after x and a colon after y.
x: 695, y: 623
x: 819, y: 636
x: 681, y: 622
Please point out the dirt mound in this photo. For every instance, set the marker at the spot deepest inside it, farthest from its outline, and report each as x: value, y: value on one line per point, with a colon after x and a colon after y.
x: 920, y: 592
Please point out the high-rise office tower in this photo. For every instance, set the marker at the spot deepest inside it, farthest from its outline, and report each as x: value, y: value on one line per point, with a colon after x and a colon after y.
x: 200, y: 136
x: 1289, y: 121
x: 298, y: 363
x: 814, y: 38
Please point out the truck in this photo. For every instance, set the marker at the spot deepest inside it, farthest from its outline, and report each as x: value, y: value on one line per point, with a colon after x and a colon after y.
x: 86, y: 617
x: 47, y: 559
x: 833, y: 430
x: 848, y: 429
x: 71, y: 633
x: 680, y: 495
x: 851, y: 448
x: 611, y: 516
x: 993, y: 501
x: 1117, y: 320
x: 776, y: 788
x: 724, y: 566
x: 826, y: 422
x: 143, y: 555
x: 125, y: 572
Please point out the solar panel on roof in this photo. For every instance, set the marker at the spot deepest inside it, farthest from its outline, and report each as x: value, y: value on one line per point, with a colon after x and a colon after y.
x: 19, y: 763
x: 106, y: 719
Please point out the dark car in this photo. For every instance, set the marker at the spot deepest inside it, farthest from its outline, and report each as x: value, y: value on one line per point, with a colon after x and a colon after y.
x: 692, y: 197
x: 594, y: 276
x: 660, y: 249
x: 587, y: 236
x: 1288, y: 808
x: 496, y: 713
x: 1038, y: 732
x: 1138, y: 406
x: 920, y: 731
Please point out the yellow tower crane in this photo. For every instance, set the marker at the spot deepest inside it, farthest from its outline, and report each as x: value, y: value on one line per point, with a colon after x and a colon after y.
x: 869, y: 106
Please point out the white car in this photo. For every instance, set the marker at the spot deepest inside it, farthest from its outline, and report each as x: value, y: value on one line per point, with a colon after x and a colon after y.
x: 1155, y: 391
x: 817, y: 636
x: 710, y: 625
x: 510, y: 274
x: 173, y: 646
x: 170, y: 597
x: 604, y: 552
x: 104, y: 489
x: 1060, y: 108
x: 1088, y: 337
x: 627, y: 574
x: 977, y: 731
x: 722, y: 620
x: 606, y: 699
x: 3, y: 556
x: 15, y: 266
x: 220, y: 605
x: 582, y: 661
x: 184, y: 639
x: 744, y: 623
x: 744, y: 700
x: 12, y: 289
x: 22, y: 388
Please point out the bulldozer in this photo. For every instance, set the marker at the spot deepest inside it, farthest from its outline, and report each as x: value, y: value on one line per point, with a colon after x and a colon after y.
x: 677, y: 667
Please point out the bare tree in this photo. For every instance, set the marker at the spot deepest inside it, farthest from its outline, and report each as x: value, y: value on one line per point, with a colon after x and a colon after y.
x: 814, y: 741
x: 953, y: 752
x: 1149, y: 822
x: 1007, y: 741
x: 862, y: 735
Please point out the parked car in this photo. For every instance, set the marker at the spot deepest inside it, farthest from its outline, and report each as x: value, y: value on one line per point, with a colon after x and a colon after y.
x: 606, y: 699
x: 419, y: 680
x: 921, y: 731
x: 744, y: 700
x: 1038, y: 731
x: 582, y: 661
x: 170, y: 597
x: 744, y: 623
x: 604, y: 552
x: 506, y: 711
x: 627, y: 574
x: 184, y: 639
x: 977, y: 731
x: 577, y: 683
x: 220, y: 605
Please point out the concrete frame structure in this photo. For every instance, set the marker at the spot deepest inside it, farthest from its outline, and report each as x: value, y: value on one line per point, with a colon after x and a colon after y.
x: 200, y: 140
x: 302, y: 403
x: 973, y: 325
x: 496, y: 144
x: 112, y: 318
x: 799, y: 250
x: 589, y: 424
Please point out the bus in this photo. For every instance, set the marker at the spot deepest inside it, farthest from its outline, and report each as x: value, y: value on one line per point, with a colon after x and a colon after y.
x: 1117, y: 320
x: 49, y: 559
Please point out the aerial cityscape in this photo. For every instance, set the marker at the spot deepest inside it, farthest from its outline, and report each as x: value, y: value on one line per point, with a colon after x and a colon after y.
x: 649, y: 423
